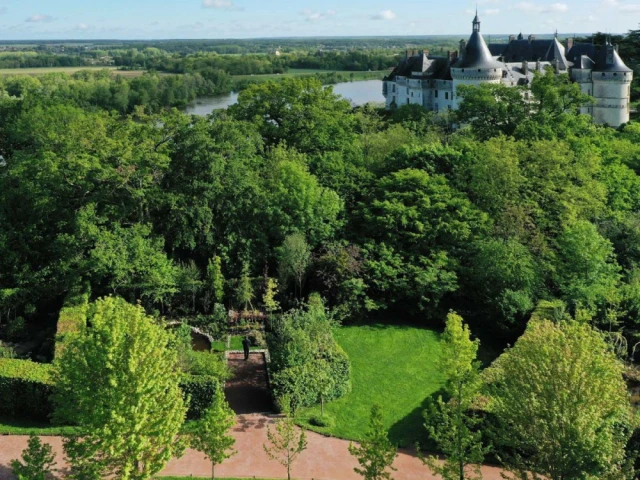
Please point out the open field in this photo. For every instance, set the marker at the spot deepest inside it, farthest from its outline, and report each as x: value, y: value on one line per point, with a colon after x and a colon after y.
x: 393, y: 366
x: 69, y: 70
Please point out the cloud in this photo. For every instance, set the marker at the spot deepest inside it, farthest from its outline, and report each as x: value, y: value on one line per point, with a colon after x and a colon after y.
x: 530, y: 7
x: 629, y: 8
x: 384, y: 15
x: 491, y: 11
x: 39, y: 19
x: 83, y: 27
x: 217, y: 3
x: 313, y: 16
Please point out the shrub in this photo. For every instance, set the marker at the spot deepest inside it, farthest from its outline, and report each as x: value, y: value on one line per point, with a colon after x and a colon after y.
x: 207, y: 364
x: 307, y: 364
x: 200, y: 390
x: 323, y: 422
x: 25, y: 388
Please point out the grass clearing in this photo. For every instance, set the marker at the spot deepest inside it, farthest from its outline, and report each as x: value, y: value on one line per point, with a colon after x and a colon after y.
x: 235, y: 345
x: 393, y: 366
x: 10, y: 426
x: 68, y: 70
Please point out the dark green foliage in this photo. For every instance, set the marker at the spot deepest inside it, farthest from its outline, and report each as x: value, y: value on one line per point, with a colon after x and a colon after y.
x: 321, y: 421
x: 37, y: 462
x: 73, y: 316
x: 201, y: 391
x: 25, y: 388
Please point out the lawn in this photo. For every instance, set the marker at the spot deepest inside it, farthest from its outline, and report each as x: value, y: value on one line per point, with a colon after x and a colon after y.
x: 393, y: 366
x: 235, y: 345
x: 10, y: 426
x: 69, y: 70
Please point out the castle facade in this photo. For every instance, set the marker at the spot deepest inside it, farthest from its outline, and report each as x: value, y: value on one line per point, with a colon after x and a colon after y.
x: 433, y: 82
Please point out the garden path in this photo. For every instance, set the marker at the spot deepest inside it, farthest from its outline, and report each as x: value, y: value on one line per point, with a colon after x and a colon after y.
x: 325, y: 458
x: 248, y: 390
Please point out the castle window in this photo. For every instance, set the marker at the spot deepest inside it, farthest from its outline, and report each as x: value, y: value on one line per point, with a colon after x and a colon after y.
x: 446, y: 95
x: 436, y: 94
x: 394, y: 88
x: 603, y: 74
x: 463, y: 70
x: 615, y: 74
x: 479, y: 70
x: 436, y: 108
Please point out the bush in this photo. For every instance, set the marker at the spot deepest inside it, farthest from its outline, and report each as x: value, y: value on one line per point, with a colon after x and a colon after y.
x: 200, y: 391
x: 307, y: 364
x: 323, y: 422
x: 207, y: 364
x: 25, y: 388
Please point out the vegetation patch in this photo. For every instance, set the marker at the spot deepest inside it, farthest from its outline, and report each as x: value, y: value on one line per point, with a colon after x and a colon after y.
x: 25, y: 388
x: 393, y: 366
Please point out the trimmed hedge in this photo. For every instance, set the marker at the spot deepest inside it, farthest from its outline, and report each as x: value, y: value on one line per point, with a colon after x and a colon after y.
x: 201, y: 391
x: 73, y: 316
x: 25, y: 389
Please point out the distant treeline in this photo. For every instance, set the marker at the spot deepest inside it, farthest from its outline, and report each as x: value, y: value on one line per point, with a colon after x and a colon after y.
x: 27, y: 60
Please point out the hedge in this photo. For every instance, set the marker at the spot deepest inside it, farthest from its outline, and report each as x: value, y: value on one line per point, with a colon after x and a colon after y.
x: 25, y: 389
x: 73, y: 316
x: 201, y: 391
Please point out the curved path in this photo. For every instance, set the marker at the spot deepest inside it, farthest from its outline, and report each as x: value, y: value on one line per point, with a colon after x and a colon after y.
x: 325, y: 459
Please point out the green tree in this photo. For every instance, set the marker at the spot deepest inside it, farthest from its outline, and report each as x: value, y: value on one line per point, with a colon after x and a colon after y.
x: 375, y: 454
x: 562, y: 402
x: 211, y: 433
x: 294, y: 258
x: 37, y: 462
x: 244, y: 290
x: 269, y: 298
x: 450, y: 424
x: 118, y: 383
x: 286, y: 442
x: 215, y: 279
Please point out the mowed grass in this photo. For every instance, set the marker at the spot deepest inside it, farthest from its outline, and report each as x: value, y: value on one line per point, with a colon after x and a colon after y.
x: 10, y: 426
x: 68, y: 70
x: 393, y: 366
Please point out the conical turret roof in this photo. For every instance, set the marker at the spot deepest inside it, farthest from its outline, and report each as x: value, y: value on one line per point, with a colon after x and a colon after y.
x: 609, y: 61
x: 477, y: 54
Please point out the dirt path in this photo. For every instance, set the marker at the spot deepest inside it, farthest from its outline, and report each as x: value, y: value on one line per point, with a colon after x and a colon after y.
x: 248, y: 391
x: 325, y: 458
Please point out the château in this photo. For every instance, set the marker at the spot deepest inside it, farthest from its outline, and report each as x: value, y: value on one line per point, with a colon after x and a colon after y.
x: 433, y: 82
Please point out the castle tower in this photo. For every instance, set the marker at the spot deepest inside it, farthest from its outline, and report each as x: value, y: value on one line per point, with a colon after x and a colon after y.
x: 476, y: 65
x: 611, y: 88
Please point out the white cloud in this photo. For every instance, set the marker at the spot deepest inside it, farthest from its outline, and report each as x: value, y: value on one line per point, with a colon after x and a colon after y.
x: 83, y: 27
x: 217, y: 3
x: 629, y: 8
x: 491, y: 11
x: 313, y: 16
x: 530, y: 7
x: 384, y: 15
x: 39, y: 18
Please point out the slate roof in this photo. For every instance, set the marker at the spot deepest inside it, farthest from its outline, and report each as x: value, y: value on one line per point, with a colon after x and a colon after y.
x: 612, y: 64
x: 477, y: 54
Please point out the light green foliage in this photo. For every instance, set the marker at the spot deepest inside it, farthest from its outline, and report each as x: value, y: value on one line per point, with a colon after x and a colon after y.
x: 211, y: 433
x: 294, y: 257
x: 244, y: 291
x: 562, y: 403
x: 451, y: 424
x: 285, y: 443
x: 37, y: 462
x: 375, y: 454
x: 119, y: 384
x: 269, y: 301
x: 215, y: 279
x: 588, y: 273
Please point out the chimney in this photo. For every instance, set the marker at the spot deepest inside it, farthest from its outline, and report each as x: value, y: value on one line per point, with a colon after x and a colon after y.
x: 532, y: 38
x: 537, y: 65
x: 463, y: 47
x: 568, y: 44
x: 407, y: 55
x: 511, y: 38
x: 453, y: 56
x: 525, y: 67
x: 426, y: 52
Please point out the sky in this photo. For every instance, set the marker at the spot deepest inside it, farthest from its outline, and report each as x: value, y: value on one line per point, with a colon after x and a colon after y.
x: 159, y: 19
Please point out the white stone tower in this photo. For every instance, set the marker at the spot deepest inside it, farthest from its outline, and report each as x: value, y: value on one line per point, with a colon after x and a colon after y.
x: 476, y: 65
x: 611, y: 88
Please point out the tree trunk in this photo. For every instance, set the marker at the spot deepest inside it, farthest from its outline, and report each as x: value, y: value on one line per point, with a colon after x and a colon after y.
x: 213, y: 471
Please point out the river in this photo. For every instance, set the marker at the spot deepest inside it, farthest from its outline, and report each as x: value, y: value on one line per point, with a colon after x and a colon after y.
x: 359, y: 93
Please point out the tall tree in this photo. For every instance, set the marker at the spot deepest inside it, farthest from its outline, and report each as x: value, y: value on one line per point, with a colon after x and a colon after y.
x: 211, y: 433
x: 562, y: 403
x: 118, y: 383
x: 244, y: 291
x: 294, y: 257
x: 450, y: 424
x: 37, y: 462
x: 375, y: 454
x: 215, y: 279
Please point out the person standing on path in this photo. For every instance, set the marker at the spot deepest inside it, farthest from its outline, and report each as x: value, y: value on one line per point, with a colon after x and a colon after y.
x: 246, y: 345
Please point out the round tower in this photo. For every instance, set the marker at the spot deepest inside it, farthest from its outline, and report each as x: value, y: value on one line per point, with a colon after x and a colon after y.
x: 611, y: 88
x: 476, y: 64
